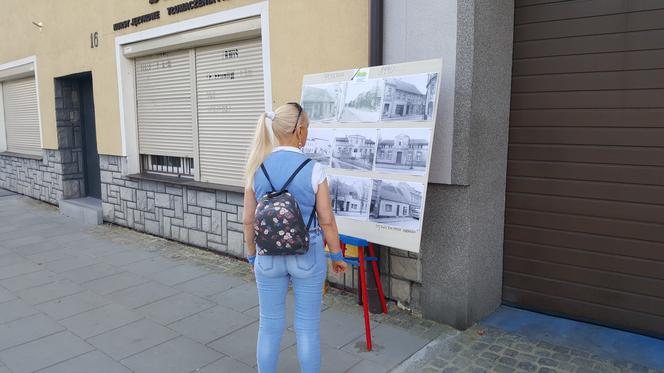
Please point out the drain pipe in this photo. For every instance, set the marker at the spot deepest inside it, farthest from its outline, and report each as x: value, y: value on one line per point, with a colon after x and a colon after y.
x: 375, y: 59
x: 376, y: 32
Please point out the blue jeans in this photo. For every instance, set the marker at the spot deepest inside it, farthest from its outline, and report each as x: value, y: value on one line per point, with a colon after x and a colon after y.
x: 307, y: 273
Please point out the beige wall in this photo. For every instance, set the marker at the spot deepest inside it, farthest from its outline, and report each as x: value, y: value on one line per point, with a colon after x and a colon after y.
x: 306, y: 36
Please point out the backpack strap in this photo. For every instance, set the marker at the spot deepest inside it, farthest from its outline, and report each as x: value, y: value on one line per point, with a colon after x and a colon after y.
x: 268, y: 178
x: 311, y: 217
x: 297, y: 170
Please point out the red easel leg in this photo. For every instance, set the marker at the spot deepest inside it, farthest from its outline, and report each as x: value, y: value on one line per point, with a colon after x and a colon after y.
x: 379, y: 284
x: 365, y: 298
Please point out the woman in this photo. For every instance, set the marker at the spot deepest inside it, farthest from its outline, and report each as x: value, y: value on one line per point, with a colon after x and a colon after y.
x: 287, y: 128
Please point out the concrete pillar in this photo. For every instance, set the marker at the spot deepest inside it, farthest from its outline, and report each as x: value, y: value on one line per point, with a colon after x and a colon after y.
x: 461, y: 252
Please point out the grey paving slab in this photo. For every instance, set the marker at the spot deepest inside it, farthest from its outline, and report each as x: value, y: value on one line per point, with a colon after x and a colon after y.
x: 99, y: 248
x: 174, y: 308
x: 6, y: 295
x: 132, y: 338
x: 22, y: 240
x: 93, y: 361
x: 27, y: 329
x: 240, y: 298
x: 151, y: 265
x: 126, y: 257
x: 140, y: 295
x: 11, y: 258
x: 211, y: 324
x: 15, y: 309
x: 391, y: 345
x: 29, y: 280
x: 48, y: 256
x: 115, y: 282
x: 18, y: 269
x: 340, y: 327
x: 53, y: 290
x: 332, y: 360
x: 178, y: 274
x: 68, y: 264
x: 227, y: 364
x: 241, y: 344
x: 72, y: 305
x: 99, y: 320
x: 44, y: 352
x: 39, y: 247
x: 179, y: 355
x: 210, y: 284
x: 91, y: 272
x: 367, y: 366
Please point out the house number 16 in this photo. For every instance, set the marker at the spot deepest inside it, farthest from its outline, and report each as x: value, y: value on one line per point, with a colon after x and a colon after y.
x: 94, y: 39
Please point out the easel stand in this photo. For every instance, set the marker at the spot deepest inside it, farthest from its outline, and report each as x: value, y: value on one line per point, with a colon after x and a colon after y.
x: 360, y: 261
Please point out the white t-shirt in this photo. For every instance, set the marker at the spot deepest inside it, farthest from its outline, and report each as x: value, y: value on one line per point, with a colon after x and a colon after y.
x: 318, y: 174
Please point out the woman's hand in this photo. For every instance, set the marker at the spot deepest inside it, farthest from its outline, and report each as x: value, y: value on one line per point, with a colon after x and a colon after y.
x: 339, y: 266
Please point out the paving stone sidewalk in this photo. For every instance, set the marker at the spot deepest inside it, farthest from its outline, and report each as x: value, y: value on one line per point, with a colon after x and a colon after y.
x: 109, y: 299
x: 485, y: 349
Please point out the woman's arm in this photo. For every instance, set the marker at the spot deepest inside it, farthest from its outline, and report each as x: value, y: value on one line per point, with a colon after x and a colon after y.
x: 248, y: 217
x: 326, y: 217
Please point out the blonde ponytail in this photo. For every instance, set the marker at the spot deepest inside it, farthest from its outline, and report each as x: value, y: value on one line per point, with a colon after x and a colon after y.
x: 261, y: 148
x: 268, y: 135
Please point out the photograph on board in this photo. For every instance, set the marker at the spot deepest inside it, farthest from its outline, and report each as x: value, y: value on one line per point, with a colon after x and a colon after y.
x: 322, y: 101
x: 350, y: 196
x: 319, y: 145
x: 354, y: 148
x: 403, y: 150
x: 362, y: 101
x: 410, y: 97
x: 396, y: 203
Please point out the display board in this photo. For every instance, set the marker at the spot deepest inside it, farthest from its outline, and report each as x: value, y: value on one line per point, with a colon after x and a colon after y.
x: 373, y: 130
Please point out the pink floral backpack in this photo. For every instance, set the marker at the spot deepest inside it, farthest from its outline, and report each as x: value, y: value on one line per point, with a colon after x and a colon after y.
x: 279, y: 227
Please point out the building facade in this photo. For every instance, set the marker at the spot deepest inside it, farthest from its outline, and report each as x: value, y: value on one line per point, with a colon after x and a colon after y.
x: 546, y: 177
x: 318, y: 103
x: 353, y: 147
x: 402, y: 99
x: 402, y: 152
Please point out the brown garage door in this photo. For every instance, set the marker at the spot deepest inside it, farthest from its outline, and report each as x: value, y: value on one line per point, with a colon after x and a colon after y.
x: 584, y: 224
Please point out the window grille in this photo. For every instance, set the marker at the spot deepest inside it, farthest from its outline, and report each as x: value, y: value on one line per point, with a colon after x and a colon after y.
x: 168, y: 165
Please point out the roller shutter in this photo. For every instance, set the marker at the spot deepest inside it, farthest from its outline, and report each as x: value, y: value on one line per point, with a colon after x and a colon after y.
x: 21, y: 116
x: 229, y: 80
x: 164, y: 92
x: 584, y: 224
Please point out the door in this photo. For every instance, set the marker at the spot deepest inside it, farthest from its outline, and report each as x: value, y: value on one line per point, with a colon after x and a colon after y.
x: 92, y: 173
x: 399, y: 156
x: 584, y: 221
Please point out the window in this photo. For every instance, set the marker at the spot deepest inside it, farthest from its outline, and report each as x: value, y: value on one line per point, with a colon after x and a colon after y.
x: 197, y: 110
x: 21, y: 116
x: 388, y: 207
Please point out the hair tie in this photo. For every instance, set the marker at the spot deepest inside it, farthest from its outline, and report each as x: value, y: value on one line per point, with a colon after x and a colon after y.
x: 269, y: 116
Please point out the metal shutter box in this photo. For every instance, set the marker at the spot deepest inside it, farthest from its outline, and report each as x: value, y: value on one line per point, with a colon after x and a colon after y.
x: 21, y: 116
x: 584, y: 222
x: 164, y: 104
x: 229, y: 80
